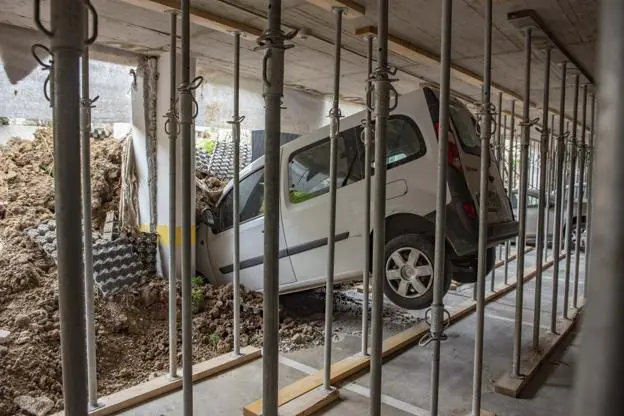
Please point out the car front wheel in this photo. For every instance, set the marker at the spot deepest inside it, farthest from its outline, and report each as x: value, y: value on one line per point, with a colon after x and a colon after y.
x: 409, y: 272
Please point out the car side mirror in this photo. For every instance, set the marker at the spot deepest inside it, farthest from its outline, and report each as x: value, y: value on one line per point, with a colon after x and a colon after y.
x: 207, y: 217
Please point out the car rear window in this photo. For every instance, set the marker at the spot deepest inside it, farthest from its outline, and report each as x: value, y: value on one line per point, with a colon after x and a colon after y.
x: 465, y: 127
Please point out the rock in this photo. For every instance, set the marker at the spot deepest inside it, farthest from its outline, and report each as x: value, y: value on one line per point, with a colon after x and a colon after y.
x: 35, y: 406
x: 4, y: 336
x: 3, y: 350
x: 298, y: 339
x: 23, y: 338
x: 22, y: 321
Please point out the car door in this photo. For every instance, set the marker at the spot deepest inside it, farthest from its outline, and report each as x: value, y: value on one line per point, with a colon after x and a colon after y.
x: 221, y: 237
x: 470, y: 156
x: 305, y: 207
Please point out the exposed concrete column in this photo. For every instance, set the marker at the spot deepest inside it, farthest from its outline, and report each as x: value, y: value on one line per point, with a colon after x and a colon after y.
x: 140, y: 133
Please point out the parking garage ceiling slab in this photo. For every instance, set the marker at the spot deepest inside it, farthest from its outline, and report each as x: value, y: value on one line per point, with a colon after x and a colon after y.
x: 309, y: 65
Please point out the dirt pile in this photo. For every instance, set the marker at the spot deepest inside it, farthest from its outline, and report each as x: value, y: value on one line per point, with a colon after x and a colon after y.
x: 207, y: 191
x: 131, y: 328
x: 27, y: 180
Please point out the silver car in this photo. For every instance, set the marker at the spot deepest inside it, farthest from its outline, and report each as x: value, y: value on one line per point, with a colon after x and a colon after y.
x: 532, y: 212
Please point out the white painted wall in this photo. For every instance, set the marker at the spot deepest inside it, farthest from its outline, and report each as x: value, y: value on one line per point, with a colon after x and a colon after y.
x: 304, y: 112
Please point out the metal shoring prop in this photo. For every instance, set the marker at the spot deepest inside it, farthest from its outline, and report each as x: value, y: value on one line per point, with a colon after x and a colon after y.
x: 579, y: 204
x: 334, y: 135
x: 171, y: 128
x: 368, y: 162
x: 570, y: 206
x: 541, y: 236
x: 85, y: 121
x: 522, y: 202
x: 549, y: 180
x: 236, y: 122
x: 566, y: 172
x: 498, y: 162
x: 483, y: 212
x: 558, y: 201
x: 436, y: 330
x: 598, y: 386
x: 67, y: 19
x: 272, y: 41
x: 383, y: 92
x: 590, y: 169
x: 510, y: 184
x: 188, y: 112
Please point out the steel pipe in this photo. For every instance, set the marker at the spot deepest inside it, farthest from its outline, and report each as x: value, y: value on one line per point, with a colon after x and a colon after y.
x: 273, y: 86
x: 382, y: 110
x: 558, y: 202
x: 579, y: 204
x: 510, y: 182
x: 590, y: 169
x: 172, y: 130
x: 186, y: 121
x: 498, y: 162
x: 570, y: 206
x: 549, y: 181
x: 87, y: 226
x: 522, y: 205
x: 542, y: 235
x: 236, y: 120
x: 368, y: 162
x: 483, y: 213
x: 437, y: 306
x: 67, y: 19
x: 334, y: 136
x: 598, y: 382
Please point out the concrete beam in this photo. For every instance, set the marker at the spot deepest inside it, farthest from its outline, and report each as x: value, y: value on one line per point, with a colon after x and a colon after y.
x: 201, y: 17
x: 354, y: 10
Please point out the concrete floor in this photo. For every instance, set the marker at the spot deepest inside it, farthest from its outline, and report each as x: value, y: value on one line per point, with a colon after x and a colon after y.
x: 406, y: 377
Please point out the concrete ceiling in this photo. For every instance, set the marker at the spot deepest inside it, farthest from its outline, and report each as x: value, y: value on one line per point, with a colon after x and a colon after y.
x: 309, y: 65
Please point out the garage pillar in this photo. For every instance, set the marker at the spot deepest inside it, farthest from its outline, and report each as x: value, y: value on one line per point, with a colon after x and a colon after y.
x: 150, y: 142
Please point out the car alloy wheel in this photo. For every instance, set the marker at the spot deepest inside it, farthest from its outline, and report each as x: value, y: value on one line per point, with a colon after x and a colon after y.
x: 409, y: 272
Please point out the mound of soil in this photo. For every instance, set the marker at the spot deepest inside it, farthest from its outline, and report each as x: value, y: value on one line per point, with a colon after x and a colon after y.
x: 131, y: 328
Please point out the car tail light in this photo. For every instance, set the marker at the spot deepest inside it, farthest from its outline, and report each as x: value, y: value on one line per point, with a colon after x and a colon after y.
x: 453, y: 150
x: 470, y: 210
x: 453, y: 155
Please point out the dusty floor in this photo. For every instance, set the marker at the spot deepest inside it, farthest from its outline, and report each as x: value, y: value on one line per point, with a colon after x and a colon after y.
x: 406, y: 377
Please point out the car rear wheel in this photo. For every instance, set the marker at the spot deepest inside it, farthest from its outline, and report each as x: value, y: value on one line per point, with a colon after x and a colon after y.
x: 409, y: 271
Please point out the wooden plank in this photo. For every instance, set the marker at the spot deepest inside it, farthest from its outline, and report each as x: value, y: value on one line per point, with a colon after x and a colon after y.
x: 158, y: 386
x: 342, y: 370
x: 532, y: 361
x: 201, y: 17
x: 309, y: 403
x: 354, y: 9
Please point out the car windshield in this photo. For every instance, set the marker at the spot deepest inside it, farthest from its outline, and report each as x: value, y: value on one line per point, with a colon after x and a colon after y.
x: 465, y: 126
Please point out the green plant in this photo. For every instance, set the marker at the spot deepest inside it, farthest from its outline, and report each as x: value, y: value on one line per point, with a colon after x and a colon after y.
x: 208, y: 145
x: 197, y: 292
x: 214, y: 339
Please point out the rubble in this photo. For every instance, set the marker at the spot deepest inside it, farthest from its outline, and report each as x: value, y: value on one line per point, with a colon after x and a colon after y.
x: 35, y: 406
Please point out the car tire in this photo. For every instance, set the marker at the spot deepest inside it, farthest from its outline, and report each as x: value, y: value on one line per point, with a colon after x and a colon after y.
x: 469, y: 274
x: 408, y: 271
x: 573, y: 237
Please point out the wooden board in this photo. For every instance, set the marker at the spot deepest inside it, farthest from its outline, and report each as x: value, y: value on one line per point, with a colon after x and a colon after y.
x: 309, y: 403
x: 158, y: 386
x: 342, y: 370
x: 201, y: 17
x: 532, y: 361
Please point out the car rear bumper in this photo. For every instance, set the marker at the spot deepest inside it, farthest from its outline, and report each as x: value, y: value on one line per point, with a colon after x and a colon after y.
x: 501, y: 232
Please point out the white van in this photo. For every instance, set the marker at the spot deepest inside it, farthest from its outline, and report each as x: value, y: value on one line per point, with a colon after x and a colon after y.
x: 410, y: 208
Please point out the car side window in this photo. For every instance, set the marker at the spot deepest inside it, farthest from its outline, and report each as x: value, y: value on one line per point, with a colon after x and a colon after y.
x: 251, y: 201
x: 532, y: 201
x: 405, y: 142
x: 308, y: 169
